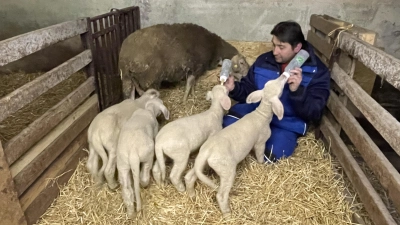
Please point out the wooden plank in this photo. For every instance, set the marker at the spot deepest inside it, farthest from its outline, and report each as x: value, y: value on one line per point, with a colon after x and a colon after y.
x: 372, y: 155
x: 382, y: 120
x: 19, y: 144
x: 22, y: 45
x: 372, y: 202
x: 38, y: 198
x: 366, y: 35
x: 319, y: 43
x: 29, y: 167
x: 375, y: 59
x: 321, y: 24
x: 99, y: 66
x: 30, y: 91
x: 10, y: 208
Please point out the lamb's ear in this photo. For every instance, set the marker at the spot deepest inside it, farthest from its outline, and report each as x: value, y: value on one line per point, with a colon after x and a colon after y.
x: 277, y: 107
x: 209, y: 95
x: 154, y: 93
x: 225, y: 102
x: 165, y: 111
x: 254, y: 96
x: 148, y: 104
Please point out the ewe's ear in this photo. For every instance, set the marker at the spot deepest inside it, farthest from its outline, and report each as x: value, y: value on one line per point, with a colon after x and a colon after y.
x: 277, y: 107
x: 254, y: 97
x: 209, y: 95
x: 225, y: 102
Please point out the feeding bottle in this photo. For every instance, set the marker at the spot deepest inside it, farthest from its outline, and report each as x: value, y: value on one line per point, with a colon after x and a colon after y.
x: 297, y: 61
x: 225, y: 70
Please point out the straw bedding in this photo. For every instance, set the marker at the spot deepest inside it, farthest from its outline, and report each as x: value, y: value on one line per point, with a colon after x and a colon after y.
x: 15, y: 123
x: 303, y: 189
x: 299, y: 190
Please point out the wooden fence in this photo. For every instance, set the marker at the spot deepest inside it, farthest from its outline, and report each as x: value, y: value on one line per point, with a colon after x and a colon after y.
x: 348, y: 99
x: 51, y: 146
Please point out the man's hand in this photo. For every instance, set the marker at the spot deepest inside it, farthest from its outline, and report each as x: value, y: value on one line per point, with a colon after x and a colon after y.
x: 230, y: 83
x: 295, y: 78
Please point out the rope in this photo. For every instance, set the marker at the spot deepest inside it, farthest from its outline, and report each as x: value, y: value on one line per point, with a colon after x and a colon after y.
x: 337, y: 39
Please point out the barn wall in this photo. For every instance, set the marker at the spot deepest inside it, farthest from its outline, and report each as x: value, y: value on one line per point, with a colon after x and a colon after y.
x: 247, y: 20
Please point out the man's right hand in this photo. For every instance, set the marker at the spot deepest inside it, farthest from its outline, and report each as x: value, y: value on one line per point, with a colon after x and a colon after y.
x: 230, y: 83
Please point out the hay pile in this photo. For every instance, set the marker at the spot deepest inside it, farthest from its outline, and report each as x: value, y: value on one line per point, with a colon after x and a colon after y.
x: 300, y: 190
x: 15, y: 123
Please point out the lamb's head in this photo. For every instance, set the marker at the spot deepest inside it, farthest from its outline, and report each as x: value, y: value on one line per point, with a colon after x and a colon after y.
x: 157, y: 107
x: 151, y: 93
x: 219, y: 95
x: 271, y: 93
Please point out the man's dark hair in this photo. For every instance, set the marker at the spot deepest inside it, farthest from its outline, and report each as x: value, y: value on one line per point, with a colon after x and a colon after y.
x: 289, y: 32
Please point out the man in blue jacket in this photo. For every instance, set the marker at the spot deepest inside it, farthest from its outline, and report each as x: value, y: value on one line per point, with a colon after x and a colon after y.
x: 304, y: 96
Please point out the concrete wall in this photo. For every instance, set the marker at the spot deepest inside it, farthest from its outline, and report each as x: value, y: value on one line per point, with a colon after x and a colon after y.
x: 247, y: 20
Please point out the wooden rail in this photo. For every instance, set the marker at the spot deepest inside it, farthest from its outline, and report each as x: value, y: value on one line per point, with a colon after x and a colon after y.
x: 29, y: 167
x: 19, y: 144
x: 375, y: 59
x: 30, y: 91
x: 22, y: 45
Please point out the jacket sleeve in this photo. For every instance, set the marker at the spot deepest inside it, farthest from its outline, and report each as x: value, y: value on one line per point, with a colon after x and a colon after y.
x: 309, y: 102
x: 244, y: 87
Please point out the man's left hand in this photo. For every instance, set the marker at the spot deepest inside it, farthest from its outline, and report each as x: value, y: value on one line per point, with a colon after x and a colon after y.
x: 295, y: 78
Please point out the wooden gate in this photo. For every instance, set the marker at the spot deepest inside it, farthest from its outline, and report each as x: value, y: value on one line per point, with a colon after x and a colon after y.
x: 106, y: 34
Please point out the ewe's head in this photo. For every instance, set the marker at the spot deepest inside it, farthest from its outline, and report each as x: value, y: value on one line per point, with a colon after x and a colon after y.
x: 219, y: 94
x: 239, y: 63
x: 157, y: 107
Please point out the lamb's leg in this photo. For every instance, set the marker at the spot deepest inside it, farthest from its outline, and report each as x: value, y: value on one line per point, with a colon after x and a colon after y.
x: 190, y: 179
x: 189, y: 84
x: 135, y: 166
x: 259, y: 149
x: 145, y: 173
x: 109, y: 172
x: 127, y: 191
x: 180, y: 163
x: 227, y: 174
x: 156, y: 173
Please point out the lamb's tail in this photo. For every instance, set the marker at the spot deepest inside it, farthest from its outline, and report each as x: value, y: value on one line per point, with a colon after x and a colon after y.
x: 96, y: 149
x: 161, y: 161
x: 199, y: 165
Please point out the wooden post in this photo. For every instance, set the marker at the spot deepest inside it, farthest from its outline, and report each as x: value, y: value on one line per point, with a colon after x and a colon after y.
x: 10, y: 208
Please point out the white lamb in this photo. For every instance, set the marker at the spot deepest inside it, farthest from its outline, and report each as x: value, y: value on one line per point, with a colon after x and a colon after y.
x: 103, y: 135
x: 135, y: 146
x: 183, y: 136
x: 224, y: 150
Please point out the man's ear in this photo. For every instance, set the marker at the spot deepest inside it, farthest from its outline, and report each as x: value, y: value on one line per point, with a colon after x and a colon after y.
x: 298, y: 47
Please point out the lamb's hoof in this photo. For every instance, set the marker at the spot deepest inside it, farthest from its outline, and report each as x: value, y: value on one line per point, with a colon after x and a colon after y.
x: 113, y: 187
x: 131, y: 214
x: 180, y: 188
x: 191, y: 194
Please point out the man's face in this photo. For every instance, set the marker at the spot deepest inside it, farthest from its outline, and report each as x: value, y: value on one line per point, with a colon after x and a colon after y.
x: 283, y: 51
